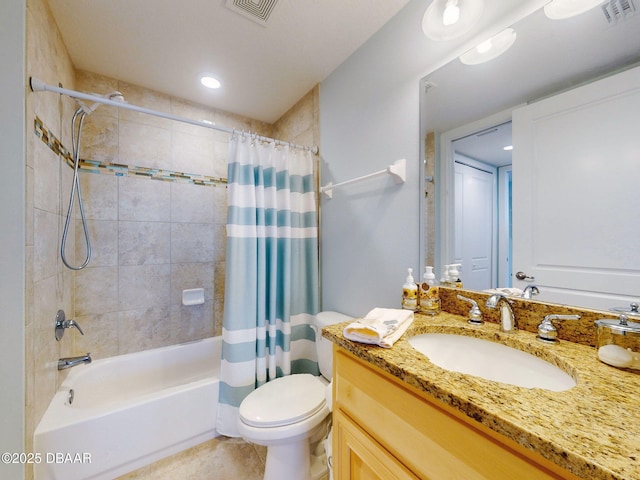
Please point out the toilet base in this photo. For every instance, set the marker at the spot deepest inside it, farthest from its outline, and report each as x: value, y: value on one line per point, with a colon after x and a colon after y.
x: 292, y: 460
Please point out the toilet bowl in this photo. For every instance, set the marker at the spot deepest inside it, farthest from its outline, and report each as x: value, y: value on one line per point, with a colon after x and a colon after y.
x: 289, y: 414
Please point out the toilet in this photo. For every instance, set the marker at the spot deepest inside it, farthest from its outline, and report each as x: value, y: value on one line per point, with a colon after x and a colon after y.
x: 290, y: 414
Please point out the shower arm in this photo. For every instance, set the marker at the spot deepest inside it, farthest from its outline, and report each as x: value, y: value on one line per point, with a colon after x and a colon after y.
x: 38, y: 85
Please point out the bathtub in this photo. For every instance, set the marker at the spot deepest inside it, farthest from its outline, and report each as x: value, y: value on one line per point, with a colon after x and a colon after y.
x: 129, y: 411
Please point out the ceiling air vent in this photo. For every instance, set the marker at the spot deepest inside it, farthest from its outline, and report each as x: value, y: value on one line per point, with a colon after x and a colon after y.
x: 617, y: 10
x: 257, y: 10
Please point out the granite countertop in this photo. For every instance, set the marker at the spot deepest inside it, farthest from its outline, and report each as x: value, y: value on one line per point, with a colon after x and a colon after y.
x: 592, y: 429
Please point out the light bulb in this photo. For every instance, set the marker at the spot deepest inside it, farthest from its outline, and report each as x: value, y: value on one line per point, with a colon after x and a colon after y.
x: 451, y: 13
x: 484, y: 47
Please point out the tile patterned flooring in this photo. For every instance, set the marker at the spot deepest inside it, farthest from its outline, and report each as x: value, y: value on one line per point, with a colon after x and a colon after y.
x: 221, y: 458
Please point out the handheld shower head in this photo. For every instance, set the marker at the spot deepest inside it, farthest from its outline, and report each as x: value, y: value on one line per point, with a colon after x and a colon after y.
x: 114, y: 96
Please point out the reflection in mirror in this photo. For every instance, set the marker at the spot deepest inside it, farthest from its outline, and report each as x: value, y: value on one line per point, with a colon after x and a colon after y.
x: 459, y: 101
x: 482, y: 203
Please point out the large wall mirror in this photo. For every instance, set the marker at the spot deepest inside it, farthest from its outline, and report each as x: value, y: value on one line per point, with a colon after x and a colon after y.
x: 469, y: 206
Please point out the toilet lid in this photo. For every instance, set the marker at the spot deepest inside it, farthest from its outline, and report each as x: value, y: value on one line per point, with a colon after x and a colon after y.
x: 283, y: 401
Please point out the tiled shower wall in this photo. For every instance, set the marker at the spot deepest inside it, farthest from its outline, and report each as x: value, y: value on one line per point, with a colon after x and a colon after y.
x: 49, y: 286
x: 150, y: 239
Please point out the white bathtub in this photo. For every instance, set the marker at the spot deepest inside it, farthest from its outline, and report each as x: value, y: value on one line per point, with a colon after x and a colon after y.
x: 129, y: 411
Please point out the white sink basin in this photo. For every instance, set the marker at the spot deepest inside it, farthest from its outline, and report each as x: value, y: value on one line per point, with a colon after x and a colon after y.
x: 491, y: 361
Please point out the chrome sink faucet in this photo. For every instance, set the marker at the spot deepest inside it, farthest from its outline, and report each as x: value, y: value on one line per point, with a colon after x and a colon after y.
x: 529, y: 291
x: 69, y: 362
x: 508, y: 321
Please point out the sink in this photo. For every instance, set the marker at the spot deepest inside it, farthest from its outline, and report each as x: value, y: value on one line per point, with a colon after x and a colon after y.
x: 491, y: 361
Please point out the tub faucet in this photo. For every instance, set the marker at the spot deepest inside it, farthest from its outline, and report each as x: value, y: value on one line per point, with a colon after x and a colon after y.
x: 69, y: 362
x: 507, y: 318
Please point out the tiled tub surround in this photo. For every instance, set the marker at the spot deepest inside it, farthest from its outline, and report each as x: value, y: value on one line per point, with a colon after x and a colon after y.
x: 119, y: 170
x: 591, y: 430
x: 151, y: 239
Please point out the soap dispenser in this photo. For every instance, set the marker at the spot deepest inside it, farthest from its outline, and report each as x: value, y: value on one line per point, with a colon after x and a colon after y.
x: 444, y: 280
x: 410, y: 292
x: 429, y: 297
x: 454, y: 275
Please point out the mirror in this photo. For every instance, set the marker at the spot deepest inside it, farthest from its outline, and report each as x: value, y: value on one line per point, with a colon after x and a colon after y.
x: 463, y: 103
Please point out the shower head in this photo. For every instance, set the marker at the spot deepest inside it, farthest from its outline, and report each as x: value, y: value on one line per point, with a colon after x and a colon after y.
x: 114, y: 96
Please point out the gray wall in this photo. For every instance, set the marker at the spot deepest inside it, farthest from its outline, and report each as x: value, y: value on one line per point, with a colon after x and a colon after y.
x: 370, y: 117
x: 12, y: 236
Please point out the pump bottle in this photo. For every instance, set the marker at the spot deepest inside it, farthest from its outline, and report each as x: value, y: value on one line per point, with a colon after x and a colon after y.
x: 410, y: 292
x: 429, y: 294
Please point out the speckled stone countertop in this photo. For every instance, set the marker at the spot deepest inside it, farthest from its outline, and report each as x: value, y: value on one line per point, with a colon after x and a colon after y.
x: 592, y: 429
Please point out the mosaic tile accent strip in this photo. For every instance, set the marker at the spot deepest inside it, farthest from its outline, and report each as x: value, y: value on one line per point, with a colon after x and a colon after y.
x: 118, y: 169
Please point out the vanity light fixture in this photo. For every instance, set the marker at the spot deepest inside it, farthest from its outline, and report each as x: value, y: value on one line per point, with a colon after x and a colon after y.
x: 561, y: 9
x: 209, y: 81
x: 450, y: 19
x: 490, y: 49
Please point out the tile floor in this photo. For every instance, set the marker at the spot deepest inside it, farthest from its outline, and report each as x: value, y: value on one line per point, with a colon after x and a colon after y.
x: 221, y: 458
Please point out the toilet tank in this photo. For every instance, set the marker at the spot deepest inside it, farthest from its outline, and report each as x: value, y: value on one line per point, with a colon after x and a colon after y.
x: 324, y: 347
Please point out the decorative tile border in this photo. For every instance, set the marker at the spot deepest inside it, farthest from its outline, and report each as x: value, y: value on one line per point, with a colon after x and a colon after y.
x: 120, y: 170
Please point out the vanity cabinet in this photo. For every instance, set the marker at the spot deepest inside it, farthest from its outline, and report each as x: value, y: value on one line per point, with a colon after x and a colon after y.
x: 386, y: 429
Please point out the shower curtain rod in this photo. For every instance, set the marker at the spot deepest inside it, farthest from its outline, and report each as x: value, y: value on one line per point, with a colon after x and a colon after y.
x: 39, y: 86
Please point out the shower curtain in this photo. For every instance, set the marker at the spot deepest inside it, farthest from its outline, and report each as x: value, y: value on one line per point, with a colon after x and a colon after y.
x: 271, y: 289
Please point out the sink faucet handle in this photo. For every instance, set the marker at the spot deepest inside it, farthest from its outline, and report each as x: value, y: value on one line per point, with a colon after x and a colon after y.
x: 547, y: 331
x: 475, y: 315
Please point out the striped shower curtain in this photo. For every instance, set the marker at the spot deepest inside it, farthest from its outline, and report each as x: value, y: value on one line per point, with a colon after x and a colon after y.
x: 271, y: 289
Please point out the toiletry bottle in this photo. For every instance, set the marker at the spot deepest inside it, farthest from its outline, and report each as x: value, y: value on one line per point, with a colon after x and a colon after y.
x: 444, y: 281
x: 429, y: 295
x: 410, y: 292
x: 454, y: 275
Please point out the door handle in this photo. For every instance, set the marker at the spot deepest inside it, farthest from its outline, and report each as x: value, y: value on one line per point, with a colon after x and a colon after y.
x: 524, y: 276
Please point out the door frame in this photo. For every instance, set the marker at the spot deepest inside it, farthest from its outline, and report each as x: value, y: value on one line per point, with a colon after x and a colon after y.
x: 505, y: 224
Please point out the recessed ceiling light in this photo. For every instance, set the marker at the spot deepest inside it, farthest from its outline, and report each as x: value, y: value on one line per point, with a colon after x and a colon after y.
x: 210, y: 82
x: 508, y: 147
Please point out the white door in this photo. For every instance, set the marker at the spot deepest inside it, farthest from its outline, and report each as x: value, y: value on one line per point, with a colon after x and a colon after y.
x: 576, y: 193
x: 474, y: 223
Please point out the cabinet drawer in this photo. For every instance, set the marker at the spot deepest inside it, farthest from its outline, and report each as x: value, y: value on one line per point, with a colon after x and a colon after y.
x: 431, y: 441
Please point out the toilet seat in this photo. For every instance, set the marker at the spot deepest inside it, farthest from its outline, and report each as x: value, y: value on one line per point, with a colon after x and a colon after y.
x: 283, y: 401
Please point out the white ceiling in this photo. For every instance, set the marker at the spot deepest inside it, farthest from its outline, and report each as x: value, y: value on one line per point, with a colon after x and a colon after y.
x: 166, y: 44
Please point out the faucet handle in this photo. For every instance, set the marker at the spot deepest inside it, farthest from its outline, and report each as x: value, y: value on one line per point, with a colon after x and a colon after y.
x: 73, y: 323
x: 475, y: 315
x: 62, y: 323
x: 547, y: 331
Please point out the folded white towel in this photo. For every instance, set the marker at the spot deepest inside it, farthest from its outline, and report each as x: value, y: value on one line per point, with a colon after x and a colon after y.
x: 513, y: 292
x: 381, y: 326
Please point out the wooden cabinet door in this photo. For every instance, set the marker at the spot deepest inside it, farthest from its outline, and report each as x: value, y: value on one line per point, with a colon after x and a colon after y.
x: 357, y: 456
